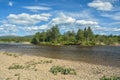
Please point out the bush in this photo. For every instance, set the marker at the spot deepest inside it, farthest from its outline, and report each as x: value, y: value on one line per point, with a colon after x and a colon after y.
x: 62, y: 70
x: 16, y: 66
x: 110, y: 78
x: 11, y: 54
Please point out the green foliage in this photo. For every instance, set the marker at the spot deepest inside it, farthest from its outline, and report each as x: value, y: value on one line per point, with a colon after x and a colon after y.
x: 82, y: 37
x: 16, y: 66
x: 62, y: 70
x: 34, y: 41
x: 55, y: 33
x: 42, y: 36
x: 31, y: 65
x: 18, y: 75
x: 16, y: 39
x: 11, y: 54
x: 110, y: 78
x: 90, y: 34
x: 8, y: 79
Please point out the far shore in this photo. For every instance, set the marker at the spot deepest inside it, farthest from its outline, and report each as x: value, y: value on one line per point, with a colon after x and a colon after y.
x: 52, y: 44
x: 84, y: 71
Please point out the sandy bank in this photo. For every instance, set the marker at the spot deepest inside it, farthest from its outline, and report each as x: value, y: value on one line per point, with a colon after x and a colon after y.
x: 85, y: 71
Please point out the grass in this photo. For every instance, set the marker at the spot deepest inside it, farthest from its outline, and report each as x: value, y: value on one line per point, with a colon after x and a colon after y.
x: 16, y: 66
x: 39, y: 62
x: 59, y: 69
x: 31, y: 65
x: 8, y: 79
x: 11, y: 54
x: 110, y: 78
x: 18, y: 75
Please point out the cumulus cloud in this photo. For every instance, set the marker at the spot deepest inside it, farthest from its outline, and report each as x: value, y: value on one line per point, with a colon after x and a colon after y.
x: 99, y: 28
x: 8, y: 29
x: 10, y: 3
x: 100, y: 5
x: 62, y: 19
x: 115, y: 16
x: 28, y: 23
x: 86, y: 22
x: 27, y: 19
x: 112, y: 1
x: 36, y: 8
x: 36, y: 28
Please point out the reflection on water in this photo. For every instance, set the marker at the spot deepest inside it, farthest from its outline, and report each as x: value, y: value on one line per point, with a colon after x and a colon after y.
x: 105, y: 55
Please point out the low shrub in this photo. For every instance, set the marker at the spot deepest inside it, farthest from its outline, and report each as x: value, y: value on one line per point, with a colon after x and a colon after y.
x: 11, y: 54
x: 16, y: 66
x: 62, y: 70
x: 110, y: 78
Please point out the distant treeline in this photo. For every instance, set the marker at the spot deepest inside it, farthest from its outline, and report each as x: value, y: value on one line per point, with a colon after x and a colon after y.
x: 81, y: 37
x: 15, y: 39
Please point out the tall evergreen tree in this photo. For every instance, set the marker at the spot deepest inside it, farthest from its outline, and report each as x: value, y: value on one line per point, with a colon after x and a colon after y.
x: 37, y: 37
x: 80, y: 35
x: 55, y: 33
x: 90, y: 35
x: 48, y: 35
x: 42, y: 36
x: 85, y: 34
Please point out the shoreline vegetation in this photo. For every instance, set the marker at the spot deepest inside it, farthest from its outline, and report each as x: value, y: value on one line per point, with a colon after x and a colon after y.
x: 15, y: 66
x: 53, y: 37
x: 81, y: 37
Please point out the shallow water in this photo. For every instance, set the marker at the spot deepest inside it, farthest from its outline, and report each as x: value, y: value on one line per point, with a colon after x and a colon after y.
x: 103, y: 55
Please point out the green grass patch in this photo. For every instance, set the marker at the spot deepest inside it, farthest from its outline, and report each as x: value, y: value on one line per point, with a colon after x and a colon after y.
x: 39, y: 62
x: 59, y: 69
x: 31, y: 65
x: 110, y: 78
x: 11, y: 54
x: 16, y: 66
x: 8, y: 79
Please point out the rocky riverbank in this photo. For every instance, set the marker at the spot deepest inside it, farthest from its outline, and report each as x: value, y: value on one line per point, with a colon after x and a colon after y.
x: 24, y: 67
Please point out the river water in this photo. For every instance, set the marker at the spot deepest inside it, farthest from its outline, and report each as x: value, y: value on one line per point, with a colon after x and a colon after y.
x: 103, y: 55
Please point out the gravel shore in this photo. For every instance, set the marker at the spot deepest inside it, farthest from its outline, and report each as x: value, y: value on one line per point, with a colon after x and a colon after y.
x: 85, y: 71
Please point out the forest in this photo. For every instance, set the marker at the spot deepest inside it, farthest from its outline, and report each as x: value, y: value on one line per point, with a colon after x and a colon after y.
x: 81, y: 37
x: 16, y: 39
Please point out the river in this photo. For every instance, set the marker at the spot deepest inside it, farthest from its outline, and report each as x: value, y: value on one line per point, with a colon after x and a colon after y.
x: 103, y: 55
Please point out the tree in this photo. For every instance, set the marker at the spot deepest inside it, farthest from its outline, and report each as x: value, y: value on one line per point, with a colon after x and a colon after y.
x: 90, y: 35
x: 85, y: 34
x: 42, y: 36
x: 48, y: 35
x: 80, y: 35
x: 37, y: 37
x: 55, y: 33
x: 34, y: 41
x: 70, y: 37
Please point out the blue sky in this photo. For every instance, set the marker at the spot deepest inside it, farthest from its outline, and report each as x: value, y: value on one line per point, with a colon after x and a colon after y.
x: 25, y: 17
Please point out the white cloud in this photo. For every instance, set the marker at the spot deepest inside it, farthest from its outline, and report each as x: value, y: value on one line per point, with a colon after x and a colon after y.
x: 82, y: 14
x: 8, y: 29
x: 101, y: 5
x: 85, y: 22
x: 112, y: 1
x: 36, y: 28
x: 99, y: 28
x: 36, y: 8
x: 62, y: 19
x: 10, y: 3
x: 115, y: 16
x: 27, y: 19
x: 27, y: 23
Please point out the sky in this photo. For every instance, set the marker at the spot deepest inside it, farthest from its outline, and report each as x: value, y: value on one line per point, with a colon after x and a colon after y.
x: 26, y: 17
